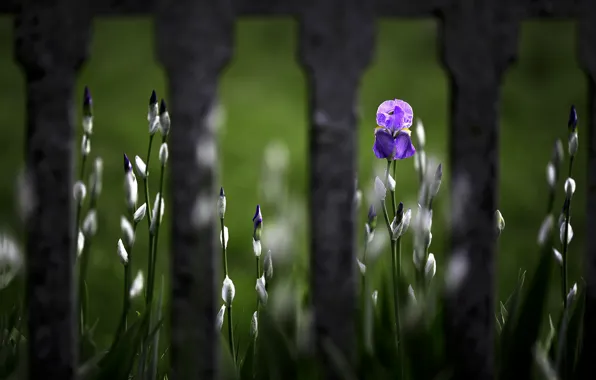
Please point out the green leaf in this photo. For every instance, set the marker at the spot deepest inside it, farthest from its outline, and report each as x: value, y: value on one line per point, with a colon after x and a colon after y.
x: 247, y: 363
x: 276, y: 358
x: 153, y: 361
x: 574, y: 332
x: 385, y: 350
x: 226, y: 362
x: 118, y: 362
x: 517, y: 356
x: 505, y: 339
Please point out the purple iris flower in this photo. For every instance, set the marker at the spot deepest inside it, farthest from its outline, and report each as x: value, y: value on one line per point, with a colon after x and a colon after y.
x: 392, y: 137
x: 395, y: 115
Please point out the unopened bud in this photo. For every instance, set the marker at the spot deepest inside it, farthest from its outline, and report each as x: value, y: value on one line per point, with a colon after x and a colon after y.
x: 380, y: 190
x: 220, y: 317
x: 558, y: 256
x: 90, y: 224
x: 569, y: 187
x: 80, y: 243
x: 164, y: 119
x: 268, y: 266
x: 122, y: 254
x: 500, y: 221
x: 128, y: 233
x: 572, y: 293
x: 85, y: 146
x: 551, y: 175
x: 131, y: 190
x: 375, y: 297
x: 420, y: 134
x: 140, y: 213
x: 430, y: 269
x: 257, y: 223
x: 558, y: 152
x: 96, y: 180
x: 390, y: 183
x: 572, y: 122
x: 362, y: 267
x: 545, y: 229
x: 254, y: 326
x: 256, y: 247
x: 573, y: 144
x: 152, y: 115
x: 137, y: 285
x: 261, y: 290
x: 224, y: 234
x: 79, y: 192
x: 569, y: 233
x: 411, y: 294
x: 141, y: 167
x: 158, y: 209
x: 221, y: 204
x: 163, y: 154
x: 228, y: 291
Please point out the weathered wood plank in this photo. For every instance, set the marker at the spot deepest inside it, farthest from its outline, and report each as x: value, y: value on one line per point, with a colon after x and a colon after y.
x: 336, y: 44
x: 51, y: 43
x: 194, y: 43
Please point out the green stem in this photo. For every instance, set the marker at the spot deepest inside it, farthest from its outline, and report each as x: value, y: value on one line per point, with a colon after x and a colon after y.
x: 224, y: 254
x: 231, y: 333
x: 146, y: 183
x: 258, y: 276
x: 153, y: 256
x: 393, y: 201
x: 394, y: 274
x: 565, y: 243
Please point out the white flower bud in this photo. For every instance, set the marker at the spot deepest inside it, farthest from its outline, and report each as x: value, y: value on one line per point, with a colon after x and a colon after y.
x: 140, y: 213
x: 569, y: 187
x: 141, y: 167
x: 220, y: 317
x: 158, y: 206
x: 362, y: 267
x: 228, y: 291
x: 163, y: 154
x: 380, y: 190
x: 375, y: 297
x: 137, y: 285
x: 164, y: 123
x: 221, y: 204
x: 261, y: 291
x: 79, y: 192
x: 358, y: 198
x: 500, y: 221
x: 430, y: 269
x: 96, y: 180
x: 418, y: 258
x: 122, y: 254
x: 405, y: 221
x: 80, y: 243
x: 551, y: 174
x: 90, y: 224
x: 226, y: 236
x: 411, y: 294
x: 573, y: 144
x: 128, y: 233
x: 85, y: 146
x: 153, y: 118
x: 391, y: 183
x: 131, y: 190
x: 420, y: 134
x: 254, y: 326
x: 545, y: 229
x: 569, y: 233
x: 558, y: 256
x: 256, y: 247
x: 88, y: 125
x: 268, y: 266
x: 572, y: 293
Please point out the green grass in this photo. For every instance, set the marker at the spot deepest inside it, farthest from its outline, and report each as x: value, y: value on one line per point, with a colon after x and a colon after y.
x: 264, y: 95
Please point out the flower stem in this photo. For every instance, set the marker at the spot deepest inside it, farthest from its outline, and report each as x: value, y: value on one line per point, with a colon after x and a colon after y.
x: 153, y: 256
x: 229, y: 311
x: 394, y: 275
x: 393, y: 201
x: 565, y: 242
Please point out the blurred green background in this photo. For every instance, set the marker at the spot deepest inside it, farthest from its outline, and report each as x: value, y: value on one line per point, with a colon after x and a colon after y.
x: 263, y: 96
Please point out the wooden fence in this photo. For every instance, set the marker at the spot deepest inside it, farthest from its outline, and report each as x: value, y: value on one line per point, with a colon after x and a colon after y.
x: 194, y: 39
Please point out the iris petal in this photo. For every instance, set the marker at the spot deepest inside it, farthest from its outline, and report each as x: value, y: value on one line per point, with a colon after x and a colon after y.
x: 384, y: 146
x: 403, y: 146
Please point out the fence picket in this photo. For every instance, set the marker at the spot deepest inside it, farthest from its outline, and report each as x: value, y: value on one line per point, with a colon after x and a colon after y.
x: 194, y: 42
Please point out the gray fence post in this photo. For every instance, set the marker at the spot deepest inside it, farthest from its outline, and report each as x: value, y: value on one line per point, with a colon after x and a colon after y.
x: 194, y: 43
x: 477, y: 46
x: 51, y: 42
x: 336, y: 44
